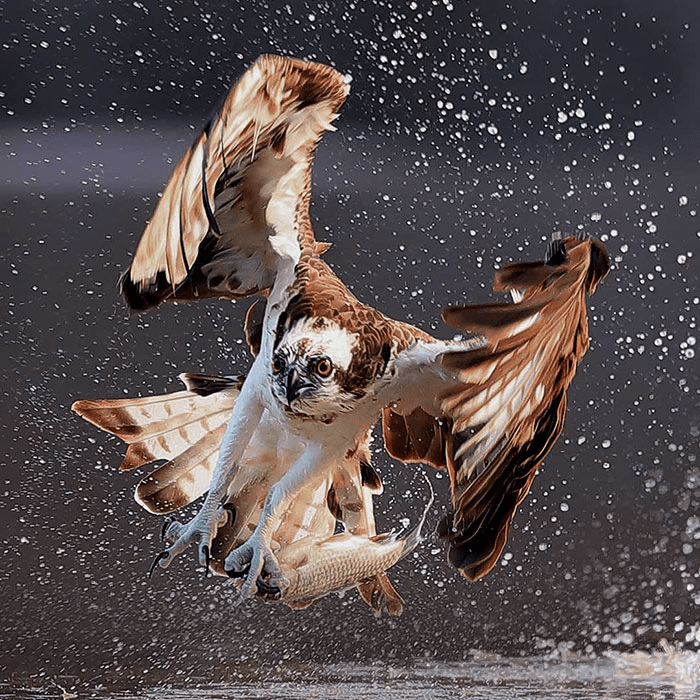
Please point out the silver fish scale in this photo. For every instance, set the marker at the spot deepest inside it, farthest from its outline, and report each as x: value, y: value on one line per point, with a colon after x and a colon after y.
x: 337, y: 567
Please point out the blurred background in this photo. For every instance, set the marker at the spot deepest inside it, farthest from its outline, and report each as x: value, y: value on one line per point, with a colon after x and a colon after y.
x: 473, y: 131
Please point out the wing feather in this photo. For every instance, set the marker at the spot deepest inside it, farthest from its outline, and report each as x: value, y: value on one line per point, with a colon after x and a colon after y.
x: 185, y: 428
x: 161, y: 427
x: 184, y: 478
x: 240, y: 194
x: 503, y: 403
x: 513, y: 401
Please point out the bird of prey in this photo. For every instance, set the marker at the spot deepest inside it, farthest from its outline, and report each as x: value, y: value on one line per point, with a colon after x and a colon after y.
x: 233, y: 221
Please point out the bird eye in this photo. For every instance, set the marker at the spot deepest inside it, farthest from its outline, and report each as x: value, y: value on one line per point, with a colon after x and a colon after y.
x: 278, y: 364
x: 323, y: 367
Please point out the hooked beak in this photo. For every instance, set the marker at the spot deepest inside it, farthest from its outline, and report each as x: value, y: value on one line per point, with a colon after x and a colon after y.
x: 293, y: 386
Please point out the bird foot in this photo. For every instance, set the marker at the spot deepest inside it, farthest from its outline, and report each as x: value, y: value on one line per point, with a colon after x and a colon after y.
x: 201, y: 530
x: 257, y: 565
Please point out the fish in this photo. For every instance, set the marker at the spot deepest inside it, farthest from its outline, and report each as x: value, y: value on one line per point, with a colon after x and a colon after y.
x: 315, y: 567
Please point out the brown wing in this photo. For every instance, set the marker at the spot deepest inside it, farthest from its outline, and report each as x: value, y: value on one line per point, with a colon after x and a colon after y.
x: 495, y: 426
x: 243, y: 181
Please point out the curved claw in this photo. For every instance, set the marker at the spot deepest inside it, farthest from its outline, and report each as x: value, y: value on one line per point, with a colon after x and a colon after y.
x: 237, y: 563
x: 207, y: 559
x: 231, y: 510
x: 158, y: 558
x: 265, y: 588
x: 201, y: 530
x: 232, y: 573
x: 255, y: 562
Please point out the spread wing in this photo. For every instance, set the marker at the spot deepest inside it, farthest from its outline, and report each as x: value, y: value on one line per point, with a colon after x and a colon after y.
x: 241, y: 192
x: 495, y: 424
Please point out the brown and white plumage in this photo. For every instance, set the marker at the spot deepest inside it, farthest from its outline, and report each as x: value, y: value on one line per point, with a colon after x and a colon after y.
x: 245, y: 179
x: 507, y: 410
x: 233, y: 221
x: 185, y: 429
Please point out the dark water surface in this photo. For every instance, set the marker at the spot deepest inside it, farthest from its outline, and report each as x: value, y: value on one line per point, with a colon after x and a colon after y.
x: 669, y: 675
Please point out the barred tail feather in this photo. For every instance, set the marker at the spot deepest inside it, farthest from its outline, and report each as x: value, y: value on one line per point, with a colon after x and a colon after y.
x: 183, y: 479
x: 185, y: 428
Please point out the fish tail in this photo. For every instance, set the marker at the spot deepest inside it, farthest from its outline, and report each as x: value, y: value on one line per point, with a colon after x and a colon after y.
x: 414, y: 537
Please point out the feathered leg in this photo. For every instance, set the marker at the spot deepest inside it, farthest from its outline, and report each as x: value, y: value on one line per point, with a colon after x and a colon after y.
x: 256, y: 554
x: 201, y: 530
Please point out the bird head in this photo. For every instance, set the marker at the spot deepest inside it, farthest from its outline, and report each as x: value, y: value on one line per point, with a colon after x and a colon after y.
x: 311, y: 369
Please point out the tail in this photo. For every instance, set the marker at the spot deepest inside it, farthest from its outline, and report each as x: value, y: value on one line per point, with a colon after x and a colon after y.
x: 184, y: 428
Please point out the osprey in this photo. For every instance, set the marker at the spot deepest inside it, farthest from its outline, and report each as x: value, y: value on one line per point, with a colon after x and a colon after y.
x: 233, y: 222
